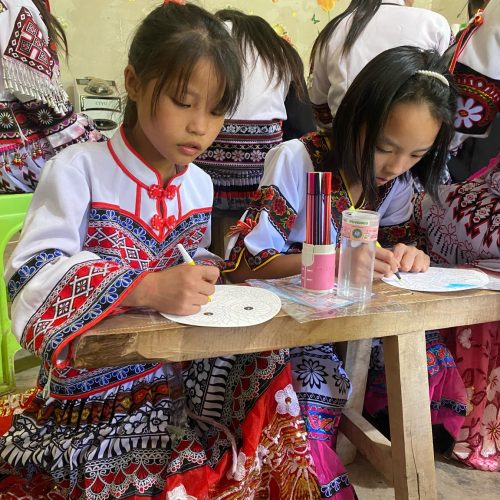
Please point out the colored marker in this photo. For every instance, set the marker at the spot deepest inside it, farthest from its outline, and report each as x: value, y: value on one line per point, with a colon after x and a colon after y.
x: 188, y: 260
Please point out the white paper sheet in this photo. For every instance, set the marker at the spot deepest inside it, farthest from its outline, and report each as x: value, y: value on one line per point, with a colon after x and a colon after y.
x: 440, y: 279
x: 234, y: 306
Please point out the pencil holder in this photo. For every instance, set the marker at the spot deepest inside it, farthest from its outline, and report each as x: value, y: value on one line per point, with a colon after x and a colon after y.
x: 318, y: 267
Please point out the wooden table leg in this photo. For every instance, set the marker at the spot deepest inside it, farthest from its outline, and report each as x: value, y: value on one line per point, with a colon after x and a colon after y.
x: 356, y: 356
x: 413, y: 465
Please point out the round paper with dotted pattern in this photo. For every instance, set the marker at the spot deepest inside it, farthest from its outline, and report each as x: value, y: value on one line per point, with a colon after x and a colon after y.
x: 234, y: 306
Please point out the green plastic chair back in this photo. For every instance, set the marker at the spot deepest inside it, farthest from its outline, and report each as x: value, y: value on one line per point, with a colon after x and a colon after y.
x: 12, y: 212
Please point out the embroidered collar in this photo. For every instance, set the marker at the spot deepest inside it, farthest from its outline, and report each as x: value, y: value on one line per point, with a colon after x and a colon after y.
x: 135, y: 166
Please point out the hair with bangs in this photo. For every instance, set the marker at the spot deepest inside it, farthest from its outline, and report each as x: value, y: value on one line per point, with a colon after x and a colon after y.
x: 170, y: 42
x: 389, y: 79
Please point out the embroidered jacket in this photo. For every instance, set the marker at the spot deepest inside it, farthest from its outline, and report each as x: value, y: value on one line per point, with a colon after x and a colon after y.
x: 276, y: 221
x: 99, y: 221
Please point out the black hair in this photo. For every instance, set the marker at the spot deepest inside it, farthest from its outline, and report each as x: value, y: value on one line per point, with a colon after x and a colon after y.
x: 473, y: 6
x: 169, y: 43
x: 362, y: 10
x: 54, y: 27
x: 389, y: 79
x: 281, y: 60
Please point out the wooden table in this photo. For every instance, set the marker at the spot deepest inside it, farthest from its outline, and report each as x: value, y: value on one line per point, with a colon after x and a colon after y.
x: 407, y: 462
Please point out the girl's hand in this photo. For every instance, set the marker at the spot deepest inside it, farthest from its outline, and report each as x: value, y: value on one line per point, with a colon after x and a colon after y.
x: 401, y: 258
x: 180, y: 290
x: 386, y: 263
x: 411, y: 259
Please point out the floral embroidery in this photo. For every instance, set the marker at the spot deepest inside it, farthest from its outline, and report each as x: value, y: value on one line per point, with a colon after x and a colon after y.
x: 240, y: 472
x: 311, y: 373
x: 478, y: 100
x: 179, y: 493
x: 287, y: 401
x: 467, y: 113
x: 490, y: 430
x: 464, y: 337
x: 493, y: 384
x: 260, y: 457
x: 6, y: 119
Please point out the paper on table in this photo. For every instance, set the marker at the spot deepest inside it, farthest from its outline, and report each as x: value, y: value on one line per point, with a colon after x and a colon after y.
x: 490, y: 264
x: 233, y: 306
x: 440, y: 279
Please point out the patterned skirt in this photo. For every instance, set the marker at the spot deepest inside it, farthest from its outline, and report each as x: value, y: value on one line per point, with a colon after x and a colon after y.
x: 322, y: 388
x: 235, y: 160
x: 245, y: 438
x: 476, y: 349
x: 446, y: 390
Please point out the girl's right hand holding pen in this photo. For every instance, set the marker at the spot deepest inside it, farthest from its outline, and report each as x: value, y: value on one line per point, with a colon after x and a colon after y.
x: 401, y: 258
x: 180, y: 290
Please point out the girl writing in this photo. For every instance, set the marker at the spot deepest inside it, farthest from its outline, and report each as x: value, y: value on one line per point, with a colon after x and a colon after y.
x: 397, y: 116
x: 102, y: 233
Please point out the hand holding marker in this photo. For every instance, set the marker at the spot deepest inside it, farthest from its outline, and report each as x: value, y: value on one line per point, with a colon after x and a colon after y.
x: 398, y: 276
x: 188, y: 260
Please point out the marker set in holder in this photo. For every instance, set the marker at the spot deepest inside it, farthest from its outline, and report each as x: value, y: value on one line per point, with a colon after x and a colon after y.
x: 318, y: 252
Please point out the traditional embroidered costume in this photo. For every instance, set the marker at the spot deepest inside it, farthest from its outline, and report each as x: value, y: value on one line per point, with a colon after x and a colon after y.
x: 463, y: 229
x: 36, y: 118
x: 275, y: 223
x: 235, y: 160
x: 394, y: 24
x: 476, y: 72
x: 100, y: 220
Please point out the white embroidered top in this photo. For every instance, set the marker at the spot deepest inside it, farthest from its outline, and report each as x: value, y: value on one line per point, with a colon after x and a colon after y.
x: 263, y: 98
x: 277, y: 218
x: 99, y: 220
x: 393, y: 25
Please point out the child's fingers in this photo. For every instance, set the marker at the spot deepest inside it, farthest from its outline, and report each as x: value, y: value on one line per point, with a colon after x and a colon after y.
x: 399, y: 250
x: 421, y: 263
x: 210, y: 274
x: 385, y: 263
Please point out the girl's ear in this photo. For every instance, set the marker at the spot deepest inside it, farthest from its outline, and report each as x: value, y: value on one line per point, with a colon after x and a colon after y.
x: 132, y: 83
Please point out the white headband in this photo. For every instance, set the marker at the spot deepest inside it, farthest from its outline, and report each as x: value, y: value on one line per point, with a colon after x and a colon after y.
x: 434, y: 74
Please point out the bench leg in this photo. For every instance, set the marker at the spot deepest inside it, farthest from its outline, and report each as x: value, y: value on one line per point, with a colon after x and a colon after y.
x: 356, y: 356
x: 414, y: 472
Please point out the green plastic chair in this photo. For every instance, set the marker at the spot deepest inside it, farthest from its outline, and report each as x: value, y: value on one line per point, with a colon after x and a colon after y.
x: 12, y: 211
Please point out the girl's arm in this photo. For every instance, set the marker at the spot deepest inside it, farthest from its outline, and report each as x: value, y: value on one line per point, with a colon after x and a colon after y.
x: 264, y: 238
x: 280, y: 267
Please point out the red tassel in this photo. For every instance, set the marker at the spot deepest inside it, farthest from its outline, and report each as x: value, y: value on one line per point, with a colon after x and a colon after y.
x: 243, y: 227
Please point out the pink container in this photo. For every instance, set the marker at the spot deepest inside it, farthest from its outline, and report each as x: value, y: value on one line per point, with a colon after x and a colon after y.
x: 318, y: 267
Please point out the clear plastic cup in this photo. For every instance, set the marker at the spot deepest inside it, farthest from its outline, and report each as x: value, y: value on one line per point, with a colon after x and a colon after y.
x: 357, y: 254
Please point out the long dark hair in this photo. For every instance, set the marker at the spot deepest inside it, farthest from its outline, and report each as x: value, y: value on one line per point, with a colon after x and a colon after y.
x: 282, y: 61
x: 388, y: 79
x: 169, y: 43
x: 363, y: 11
x: 54, y: 27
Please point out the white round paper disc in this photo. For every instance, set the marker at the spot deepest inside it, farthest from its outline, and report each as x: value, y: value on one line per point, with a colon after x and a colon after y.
x: 234, y: 306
